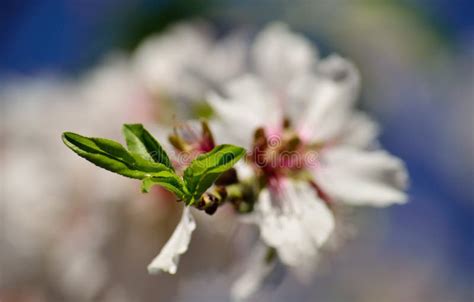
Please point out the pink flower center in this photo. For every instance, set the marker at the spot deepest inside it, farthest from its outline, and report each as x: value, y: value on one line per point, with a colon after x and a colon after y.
x: 280, y: 154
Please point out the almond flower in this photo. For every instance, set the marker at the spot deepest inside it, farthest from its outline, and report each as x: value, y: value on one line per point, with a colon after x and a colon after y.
x: 309, y: 144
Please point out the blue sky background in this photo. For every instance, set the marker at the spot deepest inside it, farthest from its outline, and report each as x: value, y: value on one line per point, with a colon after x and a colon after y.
x: 61, y: 35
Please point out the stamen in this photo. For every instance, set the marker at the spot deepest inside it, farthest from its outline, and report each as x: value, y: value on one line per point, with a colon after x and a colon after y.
x: 186, y: 138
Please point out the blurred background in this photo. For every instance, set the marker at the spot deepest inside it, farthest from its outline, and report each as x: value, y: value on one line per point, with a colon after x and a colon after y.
x: 70, y: 232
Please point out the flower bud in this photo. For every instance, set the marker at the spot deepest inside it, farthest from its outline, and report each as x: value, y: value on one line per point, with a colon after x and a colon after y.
x: 210, y: 203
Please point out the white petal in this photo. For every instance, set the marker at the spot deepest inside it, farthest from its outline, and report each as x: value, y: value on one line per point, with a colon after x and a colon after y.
x: 168, y: 258
x: 299, y: 93
x: 295, y: 222
x: 225, y: 59
x: 256, y: 272
x: 361, y: 131
x: 331, y: 103
x: 362, y: 177
x: 246, y: 106
x: 312, y: 212
x: 164, y: 62
x: 280, y: 54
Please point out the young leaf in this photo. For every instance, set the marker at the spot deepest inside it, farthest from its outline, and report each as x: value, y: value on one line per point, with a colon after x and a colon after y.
x: 206, y: 168
x: 141, y: 142
x: 111, y: 156
x: 167, y: 180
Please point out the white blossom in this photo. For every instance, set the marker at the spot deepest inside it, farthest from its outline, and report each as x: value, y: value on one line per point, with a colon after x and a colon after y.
x: 318, y: 98
x: 326, y: 115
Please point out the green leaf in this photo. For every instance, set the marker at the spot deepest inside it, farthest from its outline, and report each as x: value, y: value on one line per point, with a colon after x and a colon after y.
x: 141, y: 142
x: 206, y: 168
x: 111, y: 156
x: 167, y: 180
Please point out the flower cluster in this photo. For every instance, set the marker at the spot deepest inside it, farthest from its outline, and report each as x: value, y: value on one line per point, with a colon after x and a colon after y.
x: 308, y: 149
x: 283, y: 148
